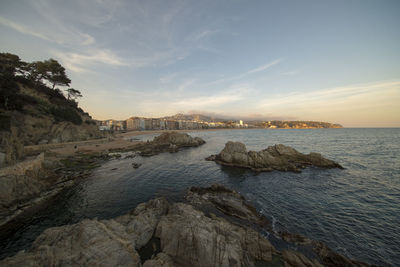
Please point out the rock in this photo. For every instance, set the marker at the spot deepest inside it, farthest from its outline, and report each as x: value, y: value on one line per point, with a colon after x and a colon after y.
x: 327, y: 256
x: 296, y: 259
x: 11, y: 146
x: 160, y: 260
x: 94, y: 243
x: 178, y: 139
x: 192, y: 239
x: 136, y: 165
x: 227, y: 201
x: 168, y: 142
x: 43, y: 141
x: 157, y: 233
x: 277, y: 157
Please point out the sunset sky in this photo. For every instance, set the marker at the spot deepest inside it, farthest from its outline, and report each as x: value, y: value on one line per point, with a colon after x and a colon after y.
x: 335, y: 61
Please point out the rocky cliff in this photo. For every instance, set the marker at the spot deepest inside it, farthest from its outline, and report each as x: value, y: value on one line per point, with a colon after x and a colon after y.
x: 44, y: 119
x: 204, y: 231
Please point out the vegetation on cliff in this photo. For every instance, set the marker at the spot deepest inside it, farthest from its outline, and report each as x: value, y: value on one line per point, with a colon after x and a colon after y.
x: 33, y: 108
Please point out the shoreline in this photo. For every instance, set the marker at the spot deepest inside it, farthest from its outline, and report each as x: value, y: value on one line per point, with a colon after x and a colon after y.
x: 118, y: 141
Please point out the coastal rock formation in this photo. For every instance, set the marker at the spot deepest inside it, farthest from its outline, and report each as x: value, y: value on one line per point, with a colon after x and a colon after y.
x: 277, y: 157
x: 93, y: 242
x: 193, y: 239
x: 230, y: 203
x: 168, y: 142
x: 27, y: 183
x: 175, y: 234
x: 11, y: 147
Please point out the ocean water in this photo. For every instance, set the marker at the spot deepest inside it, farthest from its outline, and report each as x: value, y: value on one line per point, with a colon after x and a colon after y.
x: 355, y: 211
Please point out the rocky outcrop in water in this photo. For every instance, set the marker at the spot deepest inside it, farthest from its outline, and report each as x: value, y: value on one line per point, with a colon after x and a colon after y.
x: 277, y: 157
x: 158, y: 233
x: 168, y: 142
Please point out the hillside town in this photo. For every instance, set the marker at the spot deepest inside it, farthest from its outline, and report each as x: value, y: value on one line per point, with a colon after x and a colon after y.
x: 141, y: 124
x: 199, y: 122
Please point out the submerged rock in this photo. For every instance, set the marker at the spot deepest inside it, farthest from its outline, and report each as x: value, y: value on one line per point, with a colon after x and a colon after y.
x: 277, y: 157
x: 185, y: 234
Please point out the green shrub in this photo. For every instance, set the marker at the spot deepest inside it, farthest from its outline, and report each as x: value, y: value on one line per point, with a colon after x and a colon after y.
x: 5, y: 122
x: 65, y: 114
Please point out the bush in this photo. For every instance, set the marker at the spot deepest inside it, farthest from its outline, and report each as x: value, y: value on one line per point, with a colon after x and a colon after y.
x: 65, y: 114
x: 5, y: 122
x: 90, y: 122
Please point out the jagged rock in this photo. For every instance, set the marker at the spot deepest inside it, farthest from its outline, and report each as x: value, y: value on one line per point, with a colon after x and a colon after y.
x: 327, y: 256
x: 185, y: 235
x: 277, y: 157
x: 94, y: 243
x: 192, y: 239
x: 296, y: 259
x: 168, y: 142
x: 229, y: 202
x: 160, y: 260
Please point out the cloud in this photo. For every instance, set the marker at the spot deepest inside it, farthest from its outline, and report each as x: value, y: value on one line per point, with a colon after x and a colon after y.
x: 215, y: 101
x: 245, y: 74
x: 82, y: 62
x: 23, y: 29
x: 353, y: 105
x: 264, y: 67
x: 60, y: 36
x: 330, y: 95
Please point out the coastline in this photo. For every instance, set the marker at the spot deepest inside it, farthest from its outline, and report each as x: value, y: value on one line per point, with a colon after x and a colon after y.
x: 119, y: 141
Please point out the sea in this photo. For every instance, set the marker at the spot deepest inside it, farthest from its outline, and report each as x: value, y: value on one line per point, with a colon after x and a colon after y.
x: 355, y: 211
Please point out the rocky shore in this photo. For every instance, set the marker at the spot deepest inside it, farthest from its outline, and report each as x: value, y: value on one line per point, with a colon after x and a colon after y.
x: 32, y: 182
x: 277, y: 157
x: 214, y: 227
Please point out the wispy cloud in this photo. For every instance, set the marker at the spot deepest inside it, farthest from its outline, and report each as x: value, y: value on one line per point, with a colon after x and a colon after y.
x: 293, y: 72
x: 264, y: 67
x: 80, y: 62
x: 359, y: 104
x: 329, y: 95
x: 245, y: 74
x: 214, y: 100
x: 23, y: 29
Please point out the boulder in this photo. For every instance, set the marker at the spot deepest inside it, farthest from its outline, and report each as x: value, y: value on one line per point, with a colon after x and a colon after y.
x: 168, y: 142
x: 277, y: 157
x: 178, y: 139
x: 193, y: 239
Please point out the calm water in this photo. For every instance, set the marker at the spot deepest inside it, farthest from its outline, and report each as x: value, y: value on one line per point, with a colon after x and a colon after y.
x: 355, y: 211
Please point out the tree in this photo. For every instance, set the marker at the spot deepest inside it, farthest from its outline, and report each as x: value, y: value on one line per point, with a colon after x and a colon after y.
x: 56, y: 73
x: 9, y: 66
x: 50, y: 70
x: 73, y: 93
x: 37, y: 71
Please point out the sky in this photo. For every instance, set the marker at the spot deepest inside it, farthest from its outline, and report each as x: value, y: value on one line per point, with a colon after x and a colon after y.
x: 335, y: 61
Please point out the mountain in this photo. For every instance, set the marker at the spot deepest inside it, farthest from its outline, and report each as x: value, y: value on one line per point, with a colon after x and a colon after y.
x: 191, y: 117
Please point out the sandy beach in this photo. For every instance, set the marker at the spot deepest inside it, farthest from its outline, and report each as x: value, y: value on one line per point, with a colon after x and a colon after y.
x: 119, y: 140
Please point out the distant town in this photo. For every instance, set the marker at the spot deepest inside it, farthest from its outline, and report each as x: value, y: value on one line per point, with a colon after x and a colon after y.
x: 198, y: 121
